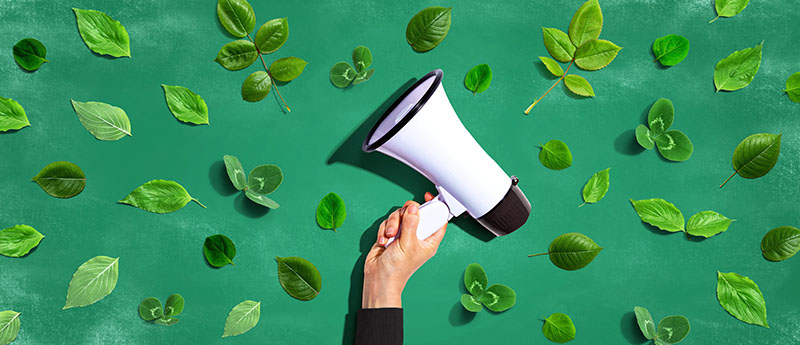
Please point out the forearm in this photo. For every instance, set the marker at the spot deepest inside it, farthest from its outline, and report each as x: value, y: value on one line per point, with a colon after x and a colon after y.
x: 382, y: 292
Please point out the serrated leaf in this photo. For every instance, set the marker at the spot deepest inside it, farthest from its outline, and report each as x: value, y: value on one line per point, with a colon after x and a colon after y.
x: 331, y: 212
x: 104, y: 121
x: 236, y: 16
x: 30, y: 54
x: 61, y: 179
x: 475, y: 279
x: 478, y: 78
x: 260, y: 199
x: 673, y: 329
x: 237, y: 55
x: 572, y: 251
x: 235, y: 171
x: 159, y: 196
x: 738, y: 69
x: 12, y: 115
x: 186, y: 105
x: 597, y: 186
x: 645, y: 321
x: 578, y: 85
x: 287, y: 69
x: 428, y: 28
x: 558, y: 44
x: 707, y: 224
x: 558, y: 328
x: 272, y: 35
x: 674, y: 145
x: 660, y: 116
x: 174, y: 305
x: 792, y: 88
x: 555, y: 155
x: 498, y: 297
x: 659, y: 213
x: 742, y: 298
x: 596, y: 54
x: 363, y: 76
x: 242, y: 318
x: 256, y: 86
x: 671, y: 49
x: 362, y: 58
x: 470, y: 303
x: 342, y: 74
x: 9, y: 326
x: 150, y: 309
x: 265, y: 179
x: 219, y: 250
x: 644, y: 137
x: 299, y: 278
x: 102, y: 34
x: 552, y: 66
x: 781, y: 243
x: 756, y: 155
x: 94, y: 280
x: 586, y: 23
x: 18, y: 240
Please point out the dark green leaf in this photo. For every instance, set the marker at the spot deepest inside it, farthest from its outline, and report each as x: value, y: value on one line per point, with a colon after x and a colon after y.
x: 475, y: 279
x: 237, y: 55
x: 781, y: 243
x: 659, y: 213
x: 18, y: 240
x: 61, y: 179
x: 673, y: 329
x: 236, y: 16
x: 674, y: 145
x: 596, y: 54
x: 174, y: 305
x: 738, y: 69
x: 102, y: 34
x: 150, y: 309
x: 478, y: 78
x: 470, y: 303
x: 558, y: 328
x: 104, y: 121
x: 578, y: 85
x: 362, y: 58
x: 186, y: 105
x: 12, y: 115
x: 272, y: 35
x: 30, y: 54
x: 597, y: 186
x: 670, y: 50
x: 572, y: 251
x: 235, y: 171
x: 558, y: 44
x: 159, y: 196
x: 299, y: 278
x: 552, y: 66
x: 331, y: 211
x: 265, y: 179
x: 260, y: 199
x: 256, y: 86
x: 287, y: 69
x: 707, y: 224
x: 428, y: 28
x: 644, y: 137
x: 586, y: 24
x: 555, y: 155
x: 363, y: 76
x: 645, y: 321
x: 792, y: 88
x: 756, y: 155
x: 661, y: 116
x: 242, y: 318
x: 342, y: 74
x: 219, y: 250
x: 9, y: 326
x: 498, y: 297
x: 742, y: 298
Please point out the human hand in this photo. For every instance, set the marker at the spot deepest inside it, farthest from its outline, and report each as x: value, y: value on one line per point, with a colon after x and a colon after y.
x: 387, y: 269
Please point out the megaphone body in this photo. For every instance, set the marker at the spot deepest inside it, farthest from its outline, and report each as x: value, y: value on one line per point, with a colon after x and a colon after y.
x: 421, y: 129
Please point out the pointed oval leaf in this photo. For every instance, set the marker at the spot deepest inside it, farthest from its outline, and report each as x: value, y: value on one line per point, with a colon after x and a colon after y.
x: 260, y: 199
x: 742, y: 298
x: 578, y: 85
x: 572, y: 251
x: 470, y: 303
x: 150, y: 309
x: 558, y: 328
x: 671, y: 49
x: 61, y: 179
x: 12, y: 115
x: 645, y: 321
x: 331, y: 211
x: 235, y: 171
x: 174, y: 305
x: 104, y: 121
x: 738, y: 69
x: 781, y: 243
x: 555, y: 155
x: 186, y: 105
x: 757, y: 154
x: 236, y: 16
x: 299, y: 278
x: 661, y: 116
x: 242, y: 318
x: 659, y: 213
x: 272, y: 35
x: 558, y: 44
x: 94, y: 280
x: 478, y: 78
x: 644, y: 137
x: 265, y: 179
x: 586, y: 24
x: 792, y: 89
x: 237, y: 55
x: 552, y: 66
x: 219, y: 250
x: 287, y: 69
x: 102, y: 34
x: 707, y: 224
x: 362, y: 58
x: 159, y: 196
x: 363, y: 76
x: 597, y: 186
x: 9, y: 326
x: 18, y: 240
x: 674, y: 145
x: 256, y: 86
x: 428, y: 28
x: 30, y: 54
x: 673, y: 329
x: 596, y: 54
x: 498, y: 297
x: 475, y: 279
x: 167, y: 321
x: 730, y: 8
x: 342, y: 74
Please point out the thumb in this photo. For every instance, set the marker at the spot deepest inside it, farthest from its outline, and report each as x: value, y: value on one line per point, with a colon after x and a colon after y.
x: 408, y: 224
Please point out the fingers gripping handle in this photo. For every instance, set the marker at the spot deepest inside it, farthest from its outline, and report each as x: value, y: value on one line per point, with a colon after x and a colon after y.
x: 432, y: 216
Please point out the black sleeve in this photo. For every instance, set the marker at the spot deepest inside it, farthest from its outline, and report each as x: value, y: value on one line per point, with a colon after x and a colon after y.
x: 381, y: 326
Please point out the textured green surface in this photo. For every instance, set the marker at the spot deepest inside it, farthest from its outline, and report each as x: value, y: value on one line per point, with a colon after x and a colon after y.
x: 175, y: 43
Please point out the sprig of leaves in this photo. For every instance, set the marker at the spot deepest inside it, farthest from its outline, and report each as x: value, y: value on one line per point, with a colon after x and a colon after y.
x: 572, y: 251
x: 263, y: 180
x: 665, y: 216
x: 343, y: 75
x: 497, y: 298
x: 755, y: 156
x: 728, y: 8
x: 478, y: 78
x: 30, y: 54
x: 672, y: 144
x: 150, y: 310
x: 671, y: 329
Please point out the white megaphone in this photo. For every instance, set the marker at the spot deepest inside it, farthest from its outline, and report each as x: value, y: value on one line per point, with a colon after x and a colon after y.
x: 422, y: 130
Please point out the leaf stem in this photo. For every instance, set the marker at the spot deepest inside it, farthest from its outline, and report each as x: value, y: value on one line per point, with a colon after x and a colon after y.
x: 729, y: 178
x: 713, y: 20
x: 271, y: 79
x: 199, y: 203
x: 581, y: 205
x: 527, y: 111
x: 532, y: 255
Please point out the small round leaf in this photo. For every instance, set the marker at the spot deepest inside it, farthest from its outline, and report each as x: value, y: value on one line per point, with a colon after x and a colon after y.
x: 174, y: 305
x: 644, y: 137
x: 475, y: 279
x: 30, y: 54
x: 235, y: 171
x: 331, y: 211
x: 559, y: 328
x: 555, y: 155
x: 299, y: 278
x: 674, y: 145
x: 660, y: 116
x: 498, y: 297
x: 342, y: 74
x: 478, y: 78
x: 264, y: 179
x: 645, y: 321
x: 470, y: 303
x: 670, y: 50
x: 673, y: 329
x: 219, y: 250
x: 256, y: 86
x: 362, y: 58
x: 150, y: 309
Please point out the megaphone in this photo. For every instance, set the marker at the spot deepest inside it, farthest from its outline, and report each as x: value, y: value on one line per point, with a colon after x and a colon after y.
x: 422, y: 130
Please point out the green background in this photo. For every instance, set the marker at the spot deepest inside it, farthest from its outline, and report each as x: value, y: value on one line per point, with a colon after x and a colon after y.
x: 318, y: 147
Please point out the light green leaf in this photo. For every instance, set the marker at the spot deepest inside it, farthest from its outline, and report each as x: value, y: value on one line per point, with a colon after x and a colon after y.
x: 159, y: 196
x: 272, y: 35
x: 742, y: 298
x: 555, y: 155
x: 362, y: 58
x: 558, y: 44
x: 94, y: 280
x: 475, y: 279
x: 299, y: 278
x: 707, y: 224
x: 287, y: 69
x: 756, y: 155
x: 256, y: 86
x: 645, y: 321
x: 729, y: 8
x: 792, y: 89
x: 219, y: 250
x: 242, y: 318
x: 552, y: 66
x: 673, y: 329
x: 363, y: 76
x: 9, y: 326
x: 578, y: 85
x: 236, y: 16
x: 596, y: 54
x: 167, y: 321
x: 558, y: 328
x: 478, y: 78
x: 470, y: 303
x: 674, y: 145
x: 597, y: 186
x: 644, y: 137
x: 260, y: 199
x: 104, y: 121
x: 102, y: 34
x: 572, y: 251
x: 331, y: 211
x: 661, y: 116
x: 265, y: 179
x: 30, y: 54
x: 174, y: 305
x: 659, y: 213
x: 781, y: 243
x: 237, y: 55
x: 235, y: 171
x: 498, y: 297
x: 670, y: 50
x: 428, y: 28
x: 18, y: 240
x: 738, y: 69
x: 342, y: 74
x: 586, y: 24
x: 61, y: 179
x: 150, y: 309
x: 186, y: 105
x: 12, y: 115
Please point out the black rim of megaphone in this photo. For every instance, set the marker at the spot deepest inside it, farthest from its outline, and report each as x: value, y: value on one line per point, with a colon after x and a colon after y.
x: 367, y: 147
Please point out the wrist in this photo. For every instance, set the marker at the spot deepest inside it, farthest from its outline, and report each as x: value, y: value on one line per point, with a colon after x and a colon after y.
x: 382, y: 292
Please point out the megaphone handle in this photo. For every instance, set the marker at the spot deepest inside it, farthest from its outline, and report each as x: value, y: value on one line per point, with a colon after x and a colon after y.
x: 432, y: 216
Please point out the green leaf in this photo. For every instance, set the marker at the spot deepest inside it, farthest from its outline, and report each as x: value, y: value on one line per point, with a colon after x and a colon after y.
x: 219, y: 250
x: 159, y: 196
x: 555, y: 155
x: 644, y: 137
x: 186, y: 105
x: 61, y: 179
x: 242, y: 318
x: 552, y: 66
x: 478, y: 78
x: 729, y: 8
x: 261, y: 199
x: 236, y: 16
x: 363, y: 76
x: 265, y: 179
x: 572, y: 251
x: 792, y: 89
x: 673, y: 329
x: 586, y: 24
x: 18, y: 240
x: 104, y: 121
x: 707, y: 224
x: 741, y: 297
x: 475, y: 280
x: 558, y: 44
x: 167, y: 321
x: 102, y: 34
x: 174, y: 305
x: 12, y: 115
x: 299, y: 278
x: 237, y: 55
x: 428, y: 28
x: 670, y: 50
x: 738, y: 69
x: 645, y: 321
x: 362, y: 58
x: 756, y: 155
x: 781, y: 243
x: 596, y: 54
x: 235, y: 171
x: 674, y: 145
x: 470, y: 303
x: 558, y: 328
x: 150, y: 309
x: 30, y: 54
x: 256, y: 86
x: 498, y: 297
x: 331, y: 211
x: 659, y: 213
x: 94, y: 280
x: 9, y: 326
x: 272, y: 35
x: 342, y: 74
x: 661, y: 116
x: 597, y: 186
x: 578, y: 85
x: 288, y: 68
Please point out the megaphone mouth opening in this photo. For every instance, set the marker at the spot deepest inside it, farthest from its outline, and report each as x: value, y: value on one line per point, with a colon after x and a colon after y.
x: 413, y: 106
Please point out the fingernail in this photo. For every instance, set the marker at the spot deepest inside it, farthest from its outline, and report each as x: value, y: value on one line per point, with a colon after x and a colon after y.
x: 390, y: 232
x: 413, y: 209
x: 382, y: 240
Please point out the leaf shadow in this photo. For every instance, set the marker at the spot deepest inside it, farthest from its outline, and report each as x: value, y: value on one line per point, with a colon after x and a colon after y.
x: 218, y: 176
x: 542, y: 69
x: 626, y: 143
x: 458, y: 315
x: 249, y: 208
x: 24, y: 70
x: 656, y: 230
x: 630, y: 329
